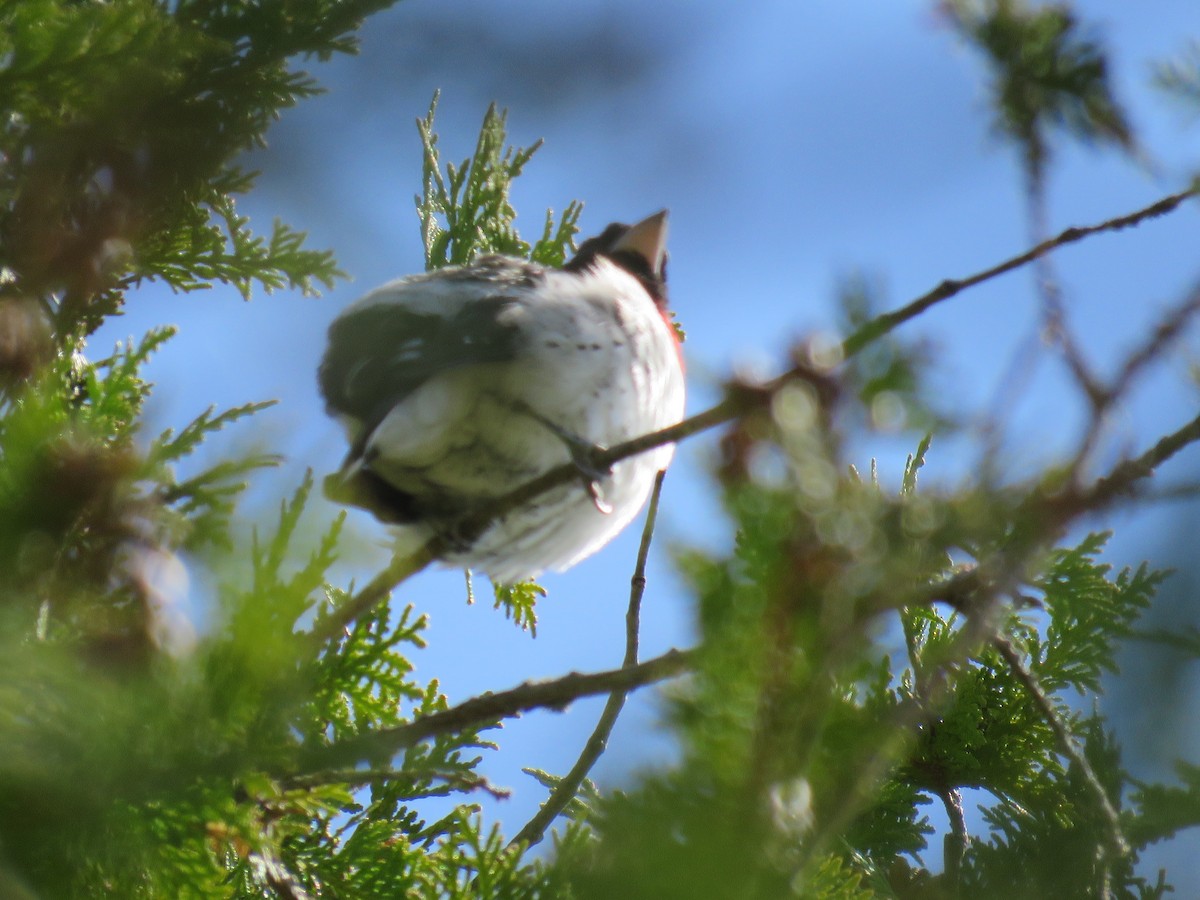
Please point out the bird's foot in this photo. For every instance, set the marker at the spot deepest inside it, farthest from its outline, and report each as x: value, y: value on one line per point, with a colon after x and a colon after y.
x: 593, y: 490
x: 585, y: 457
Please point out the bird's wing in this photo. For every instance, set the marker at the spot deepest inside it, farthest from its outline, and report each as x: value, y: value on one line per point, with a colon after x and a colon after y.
x: 406, y: 333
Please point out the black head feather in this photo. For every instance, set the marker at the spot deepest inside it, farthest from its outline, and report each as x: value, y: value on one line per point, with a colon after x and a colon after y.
x: 608, y: 245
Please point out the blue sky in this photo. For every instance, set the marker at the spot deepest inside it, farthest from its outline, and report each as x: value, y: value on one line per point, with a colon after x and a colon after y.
x: 795, y: 144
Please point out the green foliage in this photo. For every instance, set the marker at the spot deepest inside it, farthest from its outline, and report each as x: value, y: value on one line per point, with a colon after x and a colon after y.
x: 122, y: 124
x: 519, y: 602
x: 866, y: 659
x: 886, y: 374
x: 1048, y: 74
x: 1088, y: 611
x: 229, y: 253
x: 472, y: 198
x: 206, y: 500
x: 820, y: 755
x: 1166, y: 810
x: 1180, y: 77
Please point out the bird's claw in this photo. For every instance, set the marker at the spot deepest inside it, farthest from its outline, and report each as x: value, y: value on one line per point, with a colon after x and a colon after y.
x: 583, y: 456
x: 593, y: 489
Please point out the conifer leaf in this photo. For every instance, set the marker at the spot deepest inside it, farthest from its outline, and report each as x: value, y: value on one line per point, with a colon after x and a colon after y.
x: 472, y: 200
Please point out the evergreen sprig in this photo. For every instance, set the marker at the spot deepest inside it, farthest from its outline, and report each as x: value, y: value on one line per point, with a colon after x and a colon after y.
x: 1048, y: 73
x: 124, y: 121
x: 865, y: 657
x: 472, y: 199
x: 1180, y: 77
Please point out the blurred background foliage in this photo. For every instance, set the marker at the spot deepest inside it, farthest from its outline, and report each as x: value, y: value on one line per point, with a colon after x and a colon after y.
x: 869, y: 660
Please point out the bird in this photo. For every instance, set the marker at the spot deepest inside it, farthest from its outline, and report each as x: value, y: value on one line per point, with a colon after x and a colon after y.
x: 456, y: 386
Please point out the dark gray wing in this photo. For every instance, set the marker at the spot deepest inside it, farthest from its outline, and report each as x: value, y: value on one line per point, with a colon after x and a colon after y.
x: 400, y: 336
x: 382, y: 352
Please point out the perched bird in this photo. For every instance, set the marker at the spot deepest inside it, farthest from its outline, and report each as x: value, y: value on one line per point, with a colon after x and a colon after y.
x: 457, y: 386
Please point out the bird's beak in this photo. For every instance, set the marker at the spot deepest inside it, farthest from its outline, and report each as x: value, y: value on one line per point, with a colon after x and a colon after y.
x: 647, y: 238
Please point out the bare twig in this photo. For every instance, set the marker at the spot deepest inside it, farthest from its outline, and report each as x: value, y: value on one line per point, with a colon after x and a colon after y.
x: 1124, y: 476
x: 566, y: 789
x: 955, y: 843
x: 459, y: 782
x: 1169, y: 327
x: 1164, y: 333
x: 1055, y: 329
x: 1116, y: 838
x: 886, y: 322
x: 1171, y: 493
x: 1042, y: 517
x: 334, y: 621
x: 554, y: 694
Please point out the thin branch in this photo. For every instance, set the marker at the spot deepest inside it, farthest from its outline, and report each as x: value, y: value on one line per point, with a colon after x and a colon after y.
x: 1041, y: 517
x: 334, y: 621
x: 955, y: 843
x: 554, y: 694
x: 1116, y: 837
x: 637, y: 584
x: 1054, y: 314
x: 1168, y: 329
x: 886, y: 322
x: 459, y: 782
x: 1124, y: 476
x: 568, y: 786
x: 1171, y: 493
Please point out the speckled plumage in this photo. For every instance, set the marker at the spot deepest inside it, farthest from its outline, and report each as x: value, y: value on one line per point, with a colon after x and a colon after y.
x: 457, y: 386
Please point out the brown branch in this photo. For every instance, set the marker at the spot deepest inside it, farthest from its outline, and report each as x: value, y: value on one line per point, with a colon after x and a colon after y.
x: 554, y: 694
x: 1042, y: 517
x: 459, y: 782
x: 1055, y: 329
x: 886, y: 322
x: 1123, y: 477
x: 333, y: 621
x: 1171, y: 493
x: 568, y: 786
x: 1164, y: 333
x: 1168, y: 329
x: 955, y: 844
x: 1066, y: 742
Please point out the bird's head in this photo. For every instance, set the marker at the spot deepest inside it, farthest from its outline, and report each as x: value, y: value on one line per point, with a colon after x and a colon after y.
x: 639, y: 249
